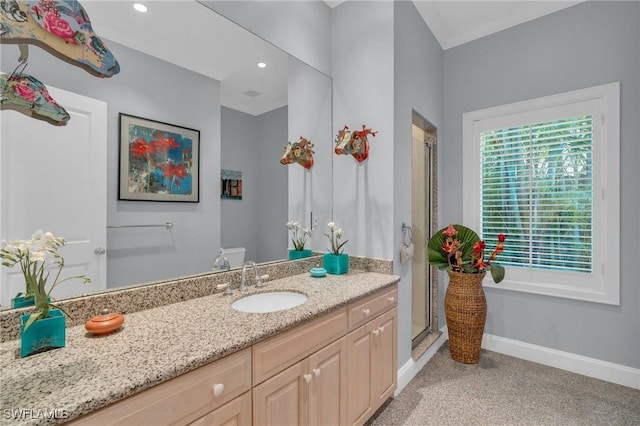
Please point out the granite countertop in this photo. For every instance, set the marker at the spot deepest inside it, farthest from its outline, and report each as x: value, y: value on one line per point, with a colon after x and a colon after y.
x: 156, y: 345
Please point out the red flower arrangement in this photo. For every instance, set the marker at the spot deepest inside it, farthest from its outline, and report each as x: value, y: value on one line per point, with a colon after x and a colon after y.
x: 459, y: 249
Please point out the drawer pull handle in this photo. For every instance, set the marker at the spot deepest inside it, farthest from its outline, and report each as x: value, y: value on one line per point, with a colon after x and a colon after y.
x: 317, y: 372
x: 366, y: 312
x: 308, y: 378
x: 381, y: 329
x: 391, y: 299
x: 218, y: 389
x: 376, y: 331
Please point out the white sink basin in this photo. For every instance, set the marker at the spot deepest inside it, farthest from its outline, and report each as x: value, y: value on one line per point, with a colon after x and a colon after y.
x: 269, y: 302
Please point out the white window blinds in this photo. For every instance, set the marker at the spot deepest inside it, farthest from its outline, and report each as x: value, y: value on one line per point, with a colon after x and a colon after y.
x: 545, y: 172
x: 537, y: 188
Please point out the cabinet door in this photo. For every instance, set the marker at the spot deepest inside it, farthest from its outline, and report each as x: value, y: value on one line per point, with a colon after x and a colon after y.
x: 236, y: 412
x: 282, y: 400
x: 372, y: 366
x: 384, y: 358
x: 328, y: 388
x: 359, y: 380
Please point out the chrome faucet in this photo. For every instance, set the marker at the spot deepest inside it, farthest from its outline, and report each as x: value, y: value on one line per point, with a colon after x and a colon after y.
x: 244, y: 285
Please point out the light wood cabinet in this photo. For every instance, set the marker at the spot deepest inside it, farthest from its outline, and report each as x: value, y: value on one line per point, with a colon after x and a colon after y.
x: 310, y: 392
x: 372, y: 366
x: 328, y: 390
x: 337, y: 369
x: 278, y: 352
x: 236, y: 412
x: 183, y: 399
x: 279, y: 400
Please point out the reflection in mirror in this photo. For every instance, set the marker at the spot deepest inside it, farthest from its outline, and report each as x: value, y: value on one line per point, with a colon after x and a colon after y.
x: 195, y: 76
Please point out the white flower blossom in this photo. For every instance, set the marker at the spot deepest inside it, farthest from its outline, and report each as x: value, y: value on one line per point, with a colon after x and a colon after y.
x: 335, y: 234
x: 298, y: 240
x: 33, y: 256
x: 38, y: 256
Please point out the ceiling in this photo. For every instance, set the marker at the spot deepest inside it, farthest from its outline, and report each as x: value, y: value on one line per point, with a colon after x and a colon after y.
x: 188, y: 34
x: 456, y: 22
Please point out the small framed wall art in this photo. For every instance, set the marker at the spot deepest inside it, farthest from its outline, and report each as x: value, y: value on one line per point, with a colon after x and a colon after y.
x: 158, y: 161
x: 231, y: 184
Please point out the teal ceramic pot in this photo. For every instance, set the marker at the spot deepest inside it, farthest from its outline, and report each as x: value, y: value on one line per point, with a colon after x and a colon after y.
x: 44, y: 334
x: 21, y: 302
x: 299, y: 254
x: 336, y: 264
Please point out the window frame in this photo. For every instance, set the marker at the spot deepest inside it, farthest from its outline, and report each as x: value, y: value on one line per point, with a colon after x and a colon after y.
x: 602, y: 285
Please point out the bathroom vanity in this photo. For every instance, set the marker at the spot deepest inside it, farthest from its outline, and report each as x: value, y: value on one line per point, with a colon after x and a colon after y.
x: 331, y: 360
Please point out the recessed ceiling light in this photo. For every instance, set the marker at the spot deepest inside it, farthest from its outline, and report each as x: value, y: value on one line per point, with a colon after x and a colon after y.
x: 262, y: 65
x: 140, y: 7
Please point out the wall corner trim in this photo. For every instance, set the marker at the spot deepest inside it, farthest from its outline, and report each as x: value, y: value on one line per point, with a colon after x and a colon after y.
x: 409, y: 369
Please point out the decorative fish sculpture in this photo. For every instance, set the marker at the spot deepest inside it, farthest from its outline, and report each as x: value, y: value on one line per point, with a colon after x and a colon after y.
x: 61, y: 27
x: 27, y: 95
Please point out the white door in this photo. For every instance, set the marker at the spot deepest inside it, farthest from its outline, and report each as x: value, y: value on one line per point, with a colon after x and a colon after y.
x: 54, y: 178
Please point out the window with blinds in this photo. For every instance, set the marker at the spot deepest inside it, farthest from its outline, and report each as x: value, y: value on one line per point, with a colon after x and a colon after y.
x: 545, y: 172
x: 537, y: 188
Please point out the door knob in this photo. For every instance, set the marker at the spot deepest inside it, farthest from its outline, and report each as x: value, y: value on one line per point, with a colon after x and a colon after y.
x: 100, y: 250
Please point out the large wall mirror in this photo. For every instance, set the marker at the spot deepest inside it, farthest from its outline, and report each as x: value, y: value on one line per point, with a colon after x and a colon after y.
x: 182, y: 64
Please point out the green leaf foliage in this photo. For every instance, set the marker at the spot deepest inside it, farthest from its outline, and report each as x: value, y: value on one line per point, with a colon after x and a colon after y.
x: 497, y: 272
x: 438, y: 257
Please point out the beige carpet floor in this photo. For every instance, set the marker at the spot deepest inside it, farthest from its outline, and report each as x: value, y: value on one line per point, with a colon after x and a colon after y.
x: 502, y: 390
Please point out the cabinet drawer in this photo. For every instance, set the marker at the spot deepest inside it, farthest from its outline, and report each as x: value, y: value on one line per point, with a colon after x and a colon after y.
x: 370, y: 307
x: 277, y: 353
x: 236, y: 412
x: 183, y: 399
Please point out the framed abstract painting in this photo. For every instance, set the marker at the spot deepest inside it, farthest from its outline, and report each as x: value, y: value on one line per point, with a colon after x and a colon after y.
x: 158, y: 161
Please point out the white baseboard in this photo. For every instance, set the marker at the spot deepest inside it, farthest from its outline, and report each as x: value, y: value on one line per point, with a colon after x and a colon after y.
x: 410, y: 368
x: 591, y: 367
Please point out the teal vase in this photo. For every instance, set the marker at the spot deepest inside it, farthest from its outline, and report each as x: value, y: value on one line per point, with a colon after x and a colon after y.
x: 336, y: 264
x: 43, y: 334
x: 21, y: 302
x: 299, y: 254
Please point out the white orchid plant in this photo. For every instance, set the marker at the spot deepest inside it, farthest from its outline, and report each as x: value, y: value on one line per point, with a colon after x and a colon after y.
x: 300, y: 235
x: 35, y: 257
x: 334, y: 236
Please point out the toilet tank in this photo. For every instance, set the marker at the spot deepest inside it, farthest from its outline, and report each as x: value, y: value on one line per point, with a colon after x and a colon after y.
x: 235, y: 255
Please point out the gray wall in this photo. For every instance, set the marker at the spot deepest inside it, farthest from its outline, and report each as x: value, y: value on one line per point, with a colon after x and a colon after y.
x: 253, y: 145
x: 363, y: 84
x: 154, y: 89
x: 418, y: 63
x: 585, y: 45
x: 272, y: 185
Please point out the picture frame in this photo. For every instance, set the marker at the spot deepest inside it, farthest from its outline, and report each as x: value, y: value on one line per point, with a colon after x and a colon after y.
x: 158, y: 161
x: 230, y: 184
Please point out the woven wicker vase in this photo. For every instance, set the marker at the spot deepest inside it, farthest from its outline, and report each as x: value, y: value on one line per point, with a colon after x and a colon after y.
x: 465, y: 309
